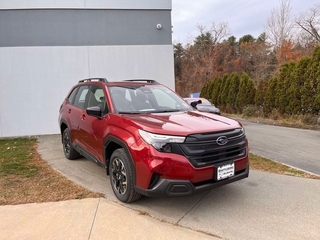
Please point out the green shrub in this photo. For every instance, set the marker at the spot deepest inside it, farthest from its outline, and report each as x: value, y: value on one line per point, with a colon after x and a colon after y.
x: 249, y: 111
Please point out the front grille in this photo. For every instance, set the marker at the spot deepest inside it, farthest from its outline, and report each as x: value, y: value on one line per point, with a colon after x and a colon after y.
x: 203, y: 149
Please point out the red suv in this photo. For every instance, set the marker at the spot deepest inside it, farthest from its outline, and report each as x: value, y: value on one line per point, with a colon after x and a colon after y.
x: 150, y: 141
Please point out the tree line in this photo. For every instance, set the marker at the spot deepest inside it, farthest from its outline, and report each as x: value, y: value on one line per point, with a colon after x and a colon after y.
x: 277, y: 71
x: 295, y: 91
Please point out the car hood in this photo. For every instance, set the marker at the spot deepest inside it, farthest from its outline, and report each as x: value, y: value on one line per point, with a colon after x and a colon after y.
x: 207, y: 108
x: 181, y: 123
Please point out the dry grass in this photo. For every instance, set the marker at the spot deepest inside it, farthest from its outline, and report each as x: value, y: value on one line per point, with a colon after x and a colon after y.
x: 296, y: 121
x: 263, y: 164
x: 285, y: 122
x: 26, y: 178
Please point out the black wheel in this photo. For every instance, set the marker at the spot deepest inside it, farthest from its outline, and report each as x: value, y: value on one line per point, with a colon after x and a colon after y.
x: 68, y: 148
x: 121, y: 177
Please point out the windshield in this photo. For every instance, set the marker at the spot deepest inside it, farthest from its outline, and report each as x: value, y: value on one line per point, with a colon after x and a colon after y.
x: 146, y: 99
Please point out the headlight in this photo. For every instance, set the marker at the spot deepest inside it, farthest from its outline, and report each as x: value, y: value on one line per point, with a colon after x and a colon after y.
x: 160, y: 142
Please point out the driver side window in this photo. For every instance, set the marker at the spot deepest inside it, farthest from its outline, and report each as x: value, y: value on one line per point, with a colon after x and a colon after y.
x: 97, y: 98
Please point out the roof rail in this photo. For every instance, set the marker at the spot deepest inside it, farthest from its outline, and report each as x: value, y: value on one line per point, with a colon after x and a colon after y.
x: 141, y: 80
x: 96, y: 79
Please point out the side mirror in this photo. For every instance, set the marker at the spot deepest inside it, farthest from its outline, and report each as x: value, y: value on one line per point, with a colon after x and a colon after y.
x: 94, y: 111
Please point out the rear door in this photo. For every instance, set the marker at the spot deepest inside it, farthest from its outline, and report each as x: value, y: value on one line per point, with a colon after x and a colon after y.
x: 76, y: 112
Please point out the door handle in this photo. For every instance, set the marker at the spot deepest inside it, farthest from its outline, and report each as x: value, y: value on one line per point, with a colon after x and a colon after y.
x: 83, y: 117
x: 69, y: 111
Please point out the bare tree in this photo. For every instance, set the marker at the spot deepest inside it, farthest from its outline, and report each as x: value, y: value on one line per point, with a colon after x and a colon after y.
x: 204, y: 49
x: 279, y: 25
x: 219, y: 31
x: 309, y: 22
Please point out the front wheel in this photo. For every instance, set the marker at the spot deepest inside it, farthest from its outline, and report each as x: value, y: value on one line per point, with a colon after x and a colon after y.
x: 68, y: 148
x: 121, y: 177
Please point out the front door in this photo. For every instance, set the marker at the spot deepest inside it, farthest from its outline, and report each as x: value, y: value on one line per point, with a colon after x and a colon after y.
x: 93, y: 128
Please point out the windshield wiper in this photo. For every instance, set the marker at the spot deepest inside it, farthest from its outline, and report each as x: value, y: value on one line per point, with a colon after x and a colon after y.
x: 165, y: 111
x: 129, y: 112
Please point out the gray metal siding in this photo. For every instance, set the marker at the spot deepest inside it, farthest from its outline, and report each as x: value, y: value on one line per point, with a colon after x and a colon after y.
x: 102, y: 4
x: 79, y: 27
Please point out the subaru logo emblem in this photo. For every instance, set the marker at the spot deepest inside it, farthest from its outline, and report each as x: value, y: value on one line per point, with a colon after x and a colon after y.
x: 222, y: 140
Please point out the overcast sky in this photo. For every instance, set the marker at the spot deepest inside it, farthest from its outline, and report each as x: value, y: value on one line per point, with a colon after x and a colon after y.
x: 243, y: 16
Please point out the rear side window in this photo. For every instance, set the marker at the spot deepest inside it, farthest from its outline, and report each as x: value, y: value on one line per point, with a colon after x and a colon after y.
x: 81, y: 95
x: 72, y: 96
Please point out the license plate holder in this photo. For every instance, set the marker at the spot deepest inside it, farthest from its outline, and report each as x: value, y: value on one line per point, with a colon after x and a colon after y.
x: 225, y: 170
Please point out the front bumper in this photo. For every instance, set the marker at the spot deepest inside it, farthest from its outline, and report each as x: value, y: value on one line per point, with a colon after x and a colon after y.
x: 172, y: 187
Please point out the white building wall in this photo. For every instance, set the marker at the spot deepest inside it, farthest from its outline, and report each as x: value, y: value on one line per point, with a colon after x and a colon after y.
x: 35, y: 80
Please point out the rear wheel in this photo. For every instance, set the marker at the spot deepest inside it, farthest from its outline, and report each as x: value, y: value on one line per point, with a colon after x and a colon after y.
x: 121, y: 177
x: 68, y: 148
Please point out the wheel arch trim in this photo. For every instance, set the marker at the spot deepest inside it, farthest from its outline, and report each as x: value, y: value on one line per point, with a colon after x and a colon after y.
x: 113, y: 139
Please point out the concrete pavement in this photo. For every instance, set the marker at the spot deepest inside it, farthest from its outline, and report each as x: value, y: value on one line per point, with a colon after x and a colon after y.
x: 91, y: 218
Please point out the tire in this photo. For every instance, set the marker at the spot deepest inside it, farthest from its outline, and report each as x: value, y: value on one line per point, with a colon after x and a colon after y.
x: 68, y: 148
x: 121, y: 177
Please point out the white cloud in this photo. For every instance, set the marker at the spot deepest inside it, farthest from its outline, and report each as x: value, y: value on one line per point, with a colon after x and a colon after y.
x: 186, y: 10
x: 243, y: 16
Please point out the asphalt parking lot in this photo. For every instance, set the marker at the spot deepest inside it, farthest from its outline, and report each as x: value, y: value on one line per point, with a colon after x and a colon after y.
x: 299, y: 148
x: 264, y: 206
